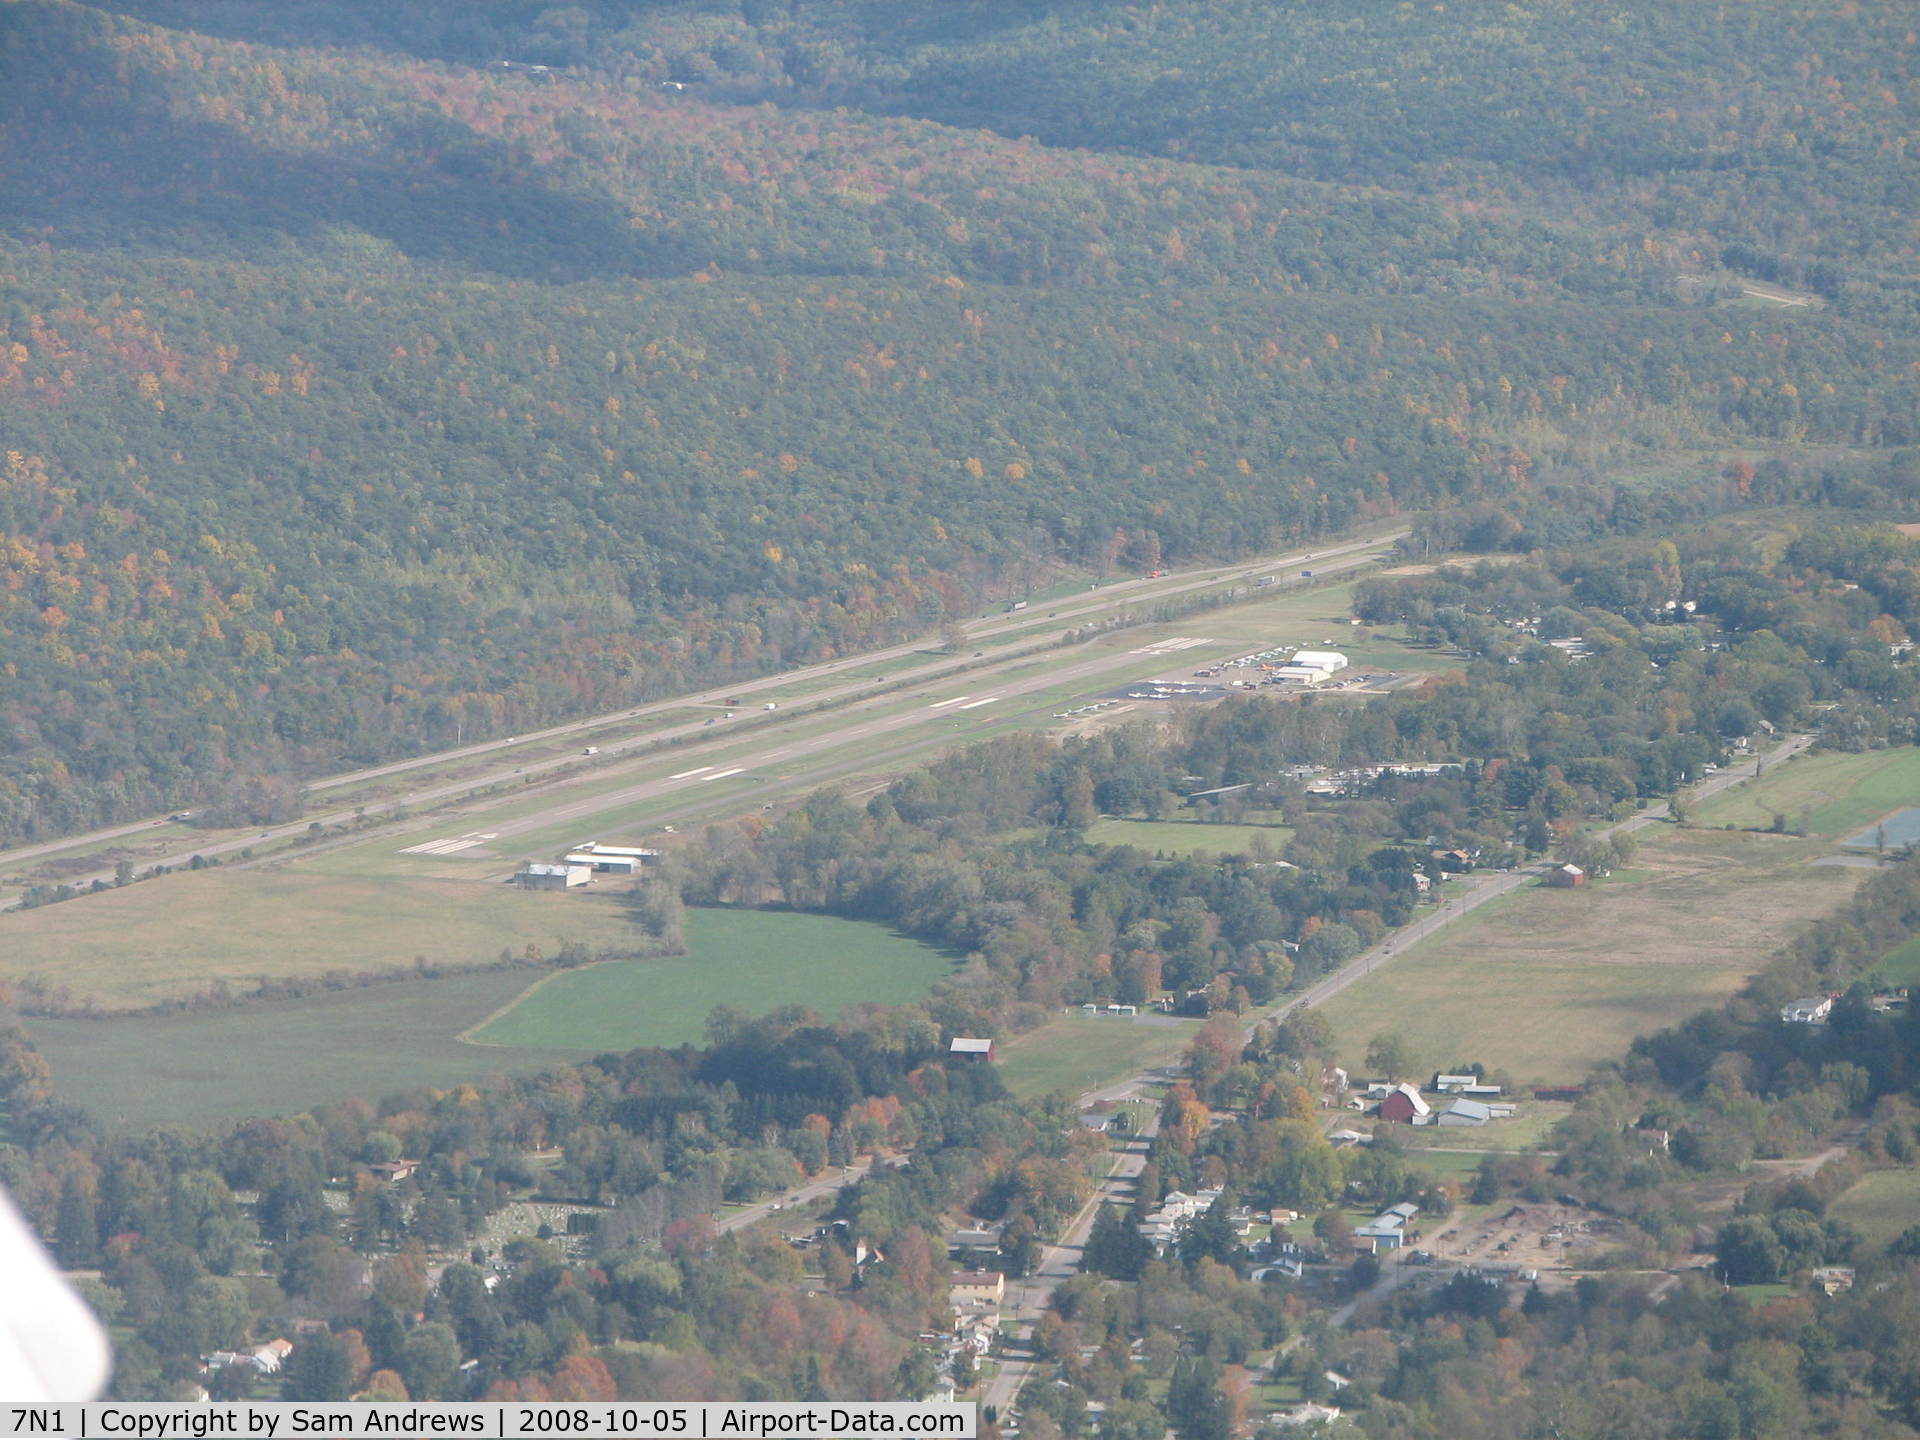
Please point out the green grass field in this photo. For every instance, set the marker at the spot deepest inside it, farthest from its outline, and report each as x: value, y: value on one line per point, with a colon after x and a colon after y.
x: 1838, y: 793
x: 1881, y: 1205
x: 1075, y: 1053
x: 1187, y: 837
x: 191, y: 1069
x: 1900, y: 966
x: 1448, y: 1164
x: 1532, y: 1126
x: 170, y: 938
x: 755, y: 959
x: 134, y: 1072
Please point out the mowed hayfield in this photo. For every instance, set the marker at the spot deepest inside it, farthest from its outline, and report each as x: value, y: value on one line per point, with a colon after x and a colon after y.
x: 1880, y: 1205
x: 137, y: 1071
x: 757, y: 960
x: 1547, y: 983
x: 168, y: 939
x: 1075, y: 1053
x: 1836, y: 793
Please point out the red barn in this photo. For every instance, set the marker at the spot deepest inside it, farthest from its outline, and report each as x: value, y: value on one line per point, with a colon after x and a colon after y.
x: 1402, y: 1105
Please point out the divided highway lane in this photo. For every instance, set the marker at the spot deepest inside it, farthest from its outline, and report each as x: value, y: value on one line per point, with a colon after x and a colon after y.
x: 1108, y: 597
x: 854, y: 733
x: 1331, y: 561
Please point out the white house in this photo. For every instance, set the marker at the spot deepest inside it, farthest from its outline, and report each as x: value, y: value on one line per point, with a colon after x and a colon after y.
x: 1305, y: 1413
x: 1813, y: 1010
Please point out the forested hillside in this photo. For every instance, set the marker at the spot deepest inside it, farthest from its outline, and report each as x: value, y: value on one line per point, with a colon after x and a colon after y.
x: 356, y: 399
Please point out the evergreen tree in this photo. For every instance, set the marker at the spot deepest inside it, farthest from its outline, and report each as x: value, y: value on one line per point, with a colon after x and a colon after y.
x: 1196, y: 1403
x: 1115, y: 1248
x: 319, y: 1369
x: 1211, y: 1235
x: 77, y: 1225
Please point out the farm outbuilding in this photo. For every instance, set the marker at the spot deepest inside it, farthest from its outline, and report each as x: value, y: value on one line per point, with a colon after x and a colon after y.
x: 1566, y: 877
x: 1464, y: 1112
x: 1403, y: 1105
x: 966, y: 1048
x: 552, y: 877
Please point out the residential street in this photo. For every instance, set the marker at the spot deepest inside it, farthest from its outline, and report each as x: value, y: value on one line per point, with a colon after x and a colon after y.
x: 1028, y: 1298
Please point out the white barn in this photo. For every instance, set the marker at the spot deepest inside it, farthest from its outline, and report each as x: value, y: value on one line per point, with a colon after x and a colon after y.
x: 553, y: 877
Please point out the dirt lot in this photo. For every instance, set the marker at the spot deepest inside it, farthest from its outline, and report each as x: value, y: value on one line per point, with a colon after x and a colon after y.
x: 1529, y: 1236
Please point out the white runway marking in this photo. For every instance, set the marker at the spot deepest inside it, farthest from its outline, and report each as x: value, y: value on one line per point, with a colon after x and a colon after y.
x: 697, y: 770
x: 722, y: 774
x: 942, y: 704
x: 450, y: 847
x: 978, y: 703
x: 1177, y: 642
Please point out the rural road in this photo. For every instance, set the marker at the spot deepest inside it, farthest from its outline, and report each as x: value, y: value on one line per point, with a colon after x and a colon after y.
x: 1111, y: 597
x: 1028, y: 1298
x: 800, y: 1195
x: 1492, y: 887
